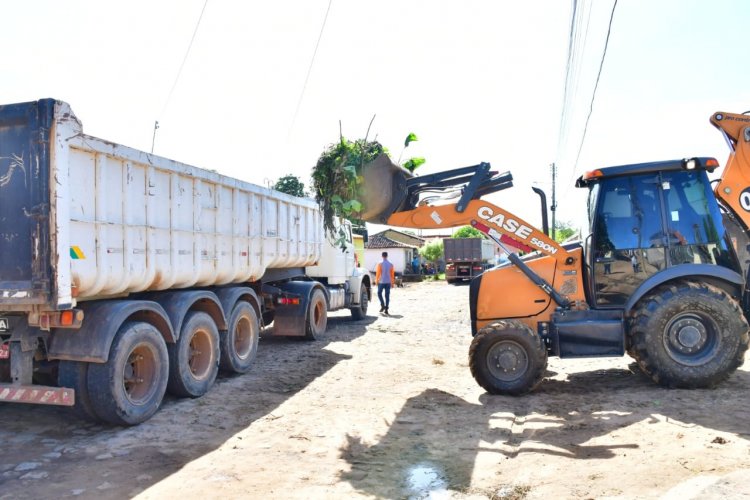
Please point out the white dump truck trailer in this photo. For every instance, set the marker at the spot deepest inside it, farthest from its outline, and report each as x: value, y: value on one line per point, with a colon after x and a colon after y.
x: 124, y: 274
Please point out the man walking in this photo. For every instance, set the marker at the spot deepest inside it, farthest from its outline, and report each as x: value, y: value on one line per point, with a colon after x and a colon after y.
x: 385, y: 276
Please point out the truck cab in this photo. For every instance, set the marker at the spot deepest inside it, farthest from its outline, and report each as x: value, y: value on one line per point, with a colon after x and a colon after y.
x: 337, y: 262
x: 347, y: 285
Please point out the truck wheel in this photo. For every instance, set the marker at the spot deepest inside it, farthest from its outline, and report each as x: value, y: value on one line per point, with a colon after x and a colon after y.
x: 360, y: 312
x: 317, y: 316
x: 194, y: 358
x: 73, y: 374
x: 507, y: 358
x: 129, y: 387
x: 240, y: 344
x: 688, y: 335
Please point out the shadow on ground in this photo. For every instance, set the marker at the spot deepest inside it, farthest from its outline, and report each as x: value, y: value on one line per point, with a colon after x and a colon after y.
x: 47, y: 452
x: 432, y: 445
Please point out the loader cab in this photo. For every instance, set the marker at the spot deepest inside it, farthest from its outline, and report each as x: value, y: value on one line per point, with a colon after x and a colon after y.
x: 647, y: 218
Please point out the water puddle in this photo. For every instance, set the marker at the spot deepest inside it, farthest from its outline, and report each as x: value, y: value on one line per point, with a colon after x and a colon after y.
x: 424, y: 481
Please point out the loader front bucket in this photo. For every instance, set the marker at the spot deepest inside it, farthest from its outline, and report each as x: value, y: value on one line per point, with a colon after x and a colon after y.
x: 384, y: 189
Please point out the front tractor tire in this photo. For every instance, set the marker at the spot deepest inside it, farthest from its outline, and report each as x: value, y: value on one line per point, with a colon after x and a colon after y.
x: 507, y: 358
x: 688, y: 335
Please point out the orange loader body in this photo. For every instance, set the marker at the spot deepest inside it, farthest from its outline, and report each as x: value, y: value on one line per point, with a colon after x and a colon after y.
x: 662, y: 275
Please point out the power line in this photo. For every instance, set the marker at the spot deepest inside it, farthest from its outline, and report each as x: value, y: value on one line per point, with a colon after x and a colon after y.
x: 596, y: 84
x: 577, y: 40
x: 568, y: 64
x: 569, y: 183
x: 309, y: 70
x: 184, y: 59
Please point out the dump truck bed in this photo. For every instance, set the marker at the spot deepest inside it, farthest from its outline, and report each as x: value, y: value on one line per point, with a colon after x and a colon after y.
x: 82, y: 218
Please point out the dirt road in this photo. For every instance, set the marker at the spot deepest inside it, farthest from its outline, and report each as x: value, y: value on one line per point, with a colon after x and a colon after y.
x: 387, y: 408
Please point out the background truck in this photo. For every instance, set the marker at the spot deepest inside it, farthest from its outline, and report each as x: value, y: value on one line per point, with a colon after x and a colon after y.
x: 466, y: 258
x: 124, y: 274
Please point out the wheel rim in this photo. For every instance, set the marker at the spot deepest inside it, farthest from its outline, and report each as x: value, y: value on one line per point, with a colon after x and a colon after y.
x: 200, y: 354
x: 243, y: 335
x: 691, y: 339
x: 139, y: 376
x: 319, y: 314
x: 507, y: 360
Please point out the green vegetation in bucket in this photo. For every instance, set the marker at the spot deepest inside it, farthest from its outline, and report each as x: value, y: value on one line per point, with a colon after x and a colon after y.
x: 337, y: 177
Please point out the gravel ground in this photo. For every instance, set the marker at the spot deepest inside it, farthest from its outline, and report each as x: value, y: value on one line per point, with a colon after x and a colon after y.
x: 387, y: 408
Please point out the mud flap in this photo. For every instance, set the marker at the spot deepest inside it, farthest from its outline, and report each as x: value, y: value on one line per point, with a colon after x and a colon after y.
x: 290, y: 319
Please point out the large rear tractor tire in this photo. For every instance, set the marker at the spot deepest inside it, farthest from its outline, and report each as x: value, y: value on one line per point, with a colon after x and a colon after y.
x: 129, y: 387
x: 317, y: 316
x: 239, y: 344
x: 194, y: 358
x: 360, y: 312
x: 688, y: 335
x: 507, y: 358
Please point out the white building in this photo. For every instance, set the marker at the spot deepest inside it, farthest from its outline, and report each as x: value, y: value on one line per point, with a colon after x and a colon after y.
x: 401, y: 248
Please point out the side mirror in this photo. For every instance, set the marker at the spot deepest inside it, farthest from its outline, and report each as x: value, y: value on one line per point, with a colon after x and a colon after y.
x: 360, y: 230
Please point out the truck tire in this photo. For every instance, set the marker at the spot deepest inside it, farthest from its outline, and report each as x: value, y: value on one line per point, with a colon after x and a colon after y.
x: 688, y: 335
x: 360, y: 312
x: 129, y: 387
x: 507, y: 358
x: 194, y: 358
x: 239, y: 344
x: 73, y: 374
x: 317, y: 316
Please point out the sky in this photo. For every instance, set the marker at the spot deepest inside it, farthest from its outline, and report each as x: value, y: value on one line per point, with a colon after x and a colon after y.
x: 475, y: 80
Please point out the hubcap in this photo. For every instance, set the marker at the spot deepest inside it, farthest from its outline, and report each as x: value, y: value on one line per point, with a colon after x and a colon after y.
x: 200, y: 354
x: 242, y: 338
x: 139, y: 374
x: 691, y: 339
x: 507, y: 360
x: 318, y: 312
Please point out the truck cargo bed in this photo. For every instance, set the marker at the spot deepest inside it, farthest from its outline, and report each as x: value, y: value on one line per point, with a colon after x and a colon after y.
x: 87, y: 218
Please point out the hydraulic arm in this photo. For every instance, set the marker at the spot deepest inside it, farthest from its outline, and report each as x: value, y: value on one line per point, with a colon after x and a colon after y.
x: 400, y: 205
x: 734, y: 187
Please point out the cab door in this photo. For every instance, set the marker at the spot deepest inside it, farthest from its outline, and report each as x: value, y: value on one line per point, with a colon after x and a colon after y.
x: 628, y: 243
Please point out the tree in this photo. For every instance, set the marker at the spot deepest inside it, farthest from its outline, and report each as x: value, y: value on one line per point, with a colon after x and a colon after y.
x: 563, y: 231
x: 290, y: 184
x: 431, y: 252
x: 468, y: 232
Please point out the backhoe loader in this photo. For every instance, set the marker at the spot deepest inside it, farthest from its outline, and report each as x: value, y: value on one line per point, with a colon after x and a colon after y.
x: 662, y: 274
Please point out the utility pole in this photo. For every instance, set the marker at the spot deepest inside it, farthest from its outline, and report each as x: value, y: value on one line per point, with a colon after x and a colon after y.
x: 554, y: 199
